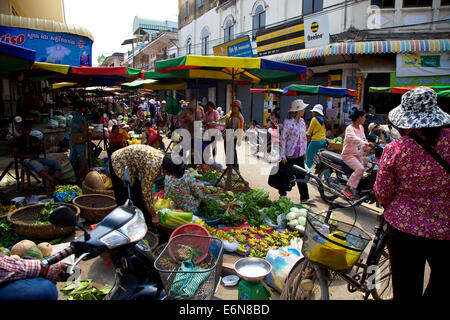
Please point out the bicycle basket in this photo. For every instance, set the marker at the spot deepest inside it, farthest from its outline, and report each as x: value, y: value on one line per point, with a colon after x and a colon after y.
x: 336, y: 245
x: 181, y: 277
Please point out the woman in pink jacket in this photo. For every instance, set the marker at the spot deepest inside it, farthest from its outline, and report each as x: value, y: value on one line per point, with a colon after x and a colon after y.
x: 355, y: 145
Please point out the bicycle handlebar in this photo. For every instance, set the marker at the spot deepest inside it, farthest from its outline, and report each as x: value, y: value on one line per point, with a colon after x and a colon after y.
x: 320, y: 187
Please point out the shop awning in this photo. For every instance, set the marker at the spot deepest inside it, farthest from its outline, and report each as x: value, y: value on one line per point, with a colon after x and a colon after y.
x: 295, y: 90
x: 364, y: 47
x: 253, y: 70
x: 14, y: 58
x: 43, y: 25
x: 154, y: 85
x: 442, y: 91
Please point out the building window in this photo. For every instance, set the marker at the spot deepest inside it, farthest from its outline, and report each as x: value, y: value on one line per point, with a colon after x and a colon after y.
x: 186, y: 9
x: 205, y: 40
x: 229, y: 30
x: 445, y: 2
x: 417, y: 3
x: 189, y: 46
x: 310, y: 6
x: 259, y: 20
x: 383, y: 3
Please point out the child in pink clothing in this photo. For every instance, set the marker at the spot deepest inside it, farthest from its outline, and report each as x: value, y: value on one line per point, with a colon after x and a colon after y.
x: 355, y: 144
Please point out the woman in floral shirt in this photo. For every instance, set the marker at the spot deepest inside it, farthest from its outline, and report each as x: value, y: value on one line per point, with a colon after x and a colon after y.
x: 414, y: 189
x: 293, y: 145
x: 144, y: 164
x: 180, y: 186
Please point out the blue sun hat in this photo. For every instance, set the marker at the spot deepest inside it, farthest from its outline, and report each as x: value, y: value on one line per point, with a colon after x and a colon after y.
x: 419, y: 110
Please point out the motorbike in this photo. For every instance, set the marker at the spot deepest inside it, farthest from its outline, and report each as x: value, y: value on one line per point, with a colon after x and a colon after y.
x: 334, y: 174
x: 120, y: 234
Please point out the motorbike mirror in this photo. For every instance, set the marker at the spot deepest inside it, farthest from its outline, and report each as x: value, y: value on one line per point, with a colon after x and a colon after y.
x: 63, y: 217
x: 126, y: 176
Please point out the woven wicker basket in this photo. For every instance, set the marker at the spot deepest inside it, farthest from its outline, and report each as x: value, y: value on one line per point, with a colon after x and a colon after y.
x: 23, y: 220
x: 336, y: 147
x: 94, y: 207
x: 89, y: 190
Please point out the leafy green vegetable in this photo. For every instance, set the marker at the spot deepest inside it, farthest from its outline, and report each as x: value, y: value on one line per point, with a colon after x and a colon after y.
x: 84, y: 292
x: 211, y: 211
x: 62, y: 188
x: 210, y: 175
x: 7, y: 234
x: 98, y: 163
x: 278, y: 207
x: 259, y: 196
x: 44, y: 217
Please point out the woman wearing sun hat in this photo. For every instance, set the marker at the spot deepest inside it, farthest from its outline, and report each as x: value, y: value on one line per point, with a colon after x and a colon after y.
x: 413, y: 185
x: 316, y: 133
x: 293, y: 144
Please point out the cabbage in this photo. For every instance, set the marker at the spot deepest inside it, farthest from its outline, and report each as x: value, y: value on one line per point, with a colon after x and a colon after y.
x: 301, y: 213
x: 290, y: 216
x: 292, y: 223
x: 300, y: 228
x: 301, y: 221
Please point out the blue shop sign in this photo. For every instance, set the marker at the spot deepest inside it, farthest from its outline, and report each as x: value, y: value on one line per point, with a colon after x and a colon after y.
x: 51, y: 47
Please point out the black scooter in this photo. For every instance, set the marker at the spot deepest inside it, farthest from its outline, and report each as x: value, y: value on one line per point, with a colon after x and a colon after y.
x: 334, y: 174
x: 121, y: 234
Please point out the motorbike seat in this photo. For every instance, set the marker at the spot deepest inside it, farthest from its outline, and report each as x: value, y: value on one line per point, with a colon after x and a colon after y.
x: 332, y: 156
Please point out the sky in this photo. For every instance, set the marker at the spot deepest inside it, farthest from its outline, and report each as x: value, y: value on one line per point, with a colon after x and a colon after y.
x: 111, y: 21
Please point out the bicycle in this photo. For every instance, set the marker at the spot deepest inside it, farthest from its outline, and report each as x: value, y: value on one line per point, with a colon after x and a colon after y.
x: 311, y: 280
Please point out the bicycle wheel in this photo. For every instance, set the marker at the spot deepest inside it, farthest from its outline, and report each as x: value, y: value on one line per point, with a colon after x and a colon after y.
x: 330, y: 174
x: 383, y: 281
x: 305, y: 282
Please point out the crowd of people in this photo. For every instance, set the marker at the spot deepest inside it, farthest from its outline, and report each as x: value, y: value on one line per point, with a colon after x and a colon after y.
x: 412, y: 182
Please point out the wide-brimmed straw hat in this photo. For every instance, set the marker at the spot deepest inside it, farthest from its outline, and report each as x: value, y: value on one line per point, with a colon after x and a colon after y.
x: 419, y: 110
x: 297, y: 105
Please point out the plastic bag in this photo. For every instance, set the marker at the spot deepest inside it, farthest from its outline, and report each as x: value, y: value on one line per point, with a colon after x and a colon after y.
x: 328, y: 253
x: 162, y: 204
x: 281, y: 221
x: 230, y: 246
x: 282, y: 261
x: 66, y: 196
x: 175, y: 219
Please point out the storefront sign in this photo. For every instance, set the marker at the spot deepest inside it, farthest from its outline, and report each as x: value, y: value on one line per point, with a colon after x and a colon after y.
x: 316, y: 31
x: 241, y: 47
x: 416, y: 65
x: 418, y: 81
x: 51, y: 47
x: 359, y: 85
x: 288, y: 37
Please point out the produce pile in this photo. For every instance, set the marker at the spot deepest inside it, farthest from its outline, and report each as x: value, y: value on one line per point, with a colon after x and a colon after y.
x: 211, y: 175
x: 66, y: 193
x: 253, y: 241
x: 254, y: 206
x: 338, y: 140
x: 27, y: 248
x: 7, y: 233
x: 84, y: 291
x: 44, y: 216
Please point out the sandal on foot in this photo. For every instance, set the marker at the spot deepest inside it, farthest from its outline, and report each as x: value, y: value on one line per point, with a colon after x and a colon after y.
x: 348, y: 194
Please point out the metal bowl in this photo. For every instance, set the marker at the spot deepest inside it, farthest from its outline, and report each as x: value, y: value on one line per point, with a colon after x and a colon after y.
x: 252, y: 269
